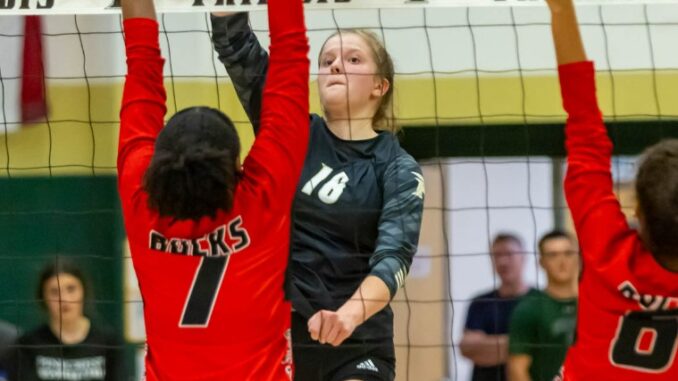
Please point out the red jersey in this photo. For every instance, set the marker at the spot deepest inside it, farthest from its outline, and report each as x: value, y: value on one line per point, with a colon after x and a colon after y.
x: 213, y: 297
x: 628, y: 304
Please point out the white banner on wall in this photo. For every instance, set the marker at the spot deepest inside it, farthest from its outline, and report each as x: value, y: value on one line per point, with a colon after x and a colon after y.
x: 14, y: 7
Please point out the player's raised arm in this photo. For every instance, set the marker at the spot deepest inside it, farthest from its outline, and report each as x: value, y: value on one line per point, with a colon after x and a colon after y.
x: 588, y: 183
x: 273, y: 167
x: 143, y: 103
x: 566, y: 36
x: 245, y: 60
x: 138, y: 9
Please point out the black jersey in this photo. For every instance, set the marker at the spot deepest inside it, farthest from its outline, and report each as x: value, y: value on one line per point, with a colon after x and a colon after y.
x: 39, y: 355
x: 351, y: 210
x: 358, y: 202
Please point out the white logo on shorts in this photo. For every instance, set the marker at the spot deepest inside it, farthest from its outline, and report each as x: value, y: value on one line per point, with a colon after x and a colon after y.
x: 368, y: 365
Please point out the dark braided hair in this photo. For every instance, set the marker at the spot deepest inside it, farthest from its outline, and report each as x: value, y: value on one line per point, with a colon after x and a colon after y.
x: 657, y: 193
x: 193, y: 172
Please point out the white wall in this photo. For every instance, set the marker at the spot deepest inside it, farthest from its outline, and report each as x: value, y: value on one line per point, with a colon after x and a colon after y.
x: 485, y: 198
x: 499, y: 195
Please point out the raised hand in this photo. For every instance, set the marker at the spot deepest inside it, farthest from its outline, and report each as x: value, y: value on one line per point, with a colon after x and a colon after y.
x: 566, y: 36
x: 559, y: 5
x: 223, y: 14
x: 138, y: 9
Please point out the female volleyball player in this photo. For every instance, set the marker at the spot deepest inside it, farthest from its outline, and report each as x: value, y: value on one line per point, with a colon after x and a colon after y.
x: 210, y: 242
x: 358, y: 207
x: 69, y: 346
x: 628, y: 294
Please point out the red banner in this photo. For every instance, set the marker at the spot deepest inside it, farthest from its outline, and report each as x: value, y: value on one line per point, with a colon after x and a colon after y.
x: 33, y: 102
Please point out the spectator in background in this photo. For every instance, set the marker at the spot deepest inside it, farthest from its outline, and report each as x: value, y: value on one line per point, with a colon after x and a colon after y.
x: 485, y: 339
x: 8, y: 333
x: 542, y: 325
x: 68, y: 346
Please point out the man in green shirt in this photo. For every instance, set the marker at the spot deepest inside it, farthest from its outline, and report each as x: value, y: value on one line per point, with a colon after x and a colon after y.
x: 542, y: 325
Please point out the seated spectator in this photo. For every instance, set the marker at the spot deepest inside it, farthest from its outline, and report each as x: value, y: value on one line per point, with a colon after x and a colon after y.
x: 68, y: 346
x: 8, y: 333
x: 485, y: 339
x: 542, y: 325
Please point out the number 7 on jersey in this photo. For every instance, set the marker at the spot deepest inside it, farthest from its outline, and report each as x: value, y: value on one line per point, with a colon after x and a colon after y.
x: 203, y: 293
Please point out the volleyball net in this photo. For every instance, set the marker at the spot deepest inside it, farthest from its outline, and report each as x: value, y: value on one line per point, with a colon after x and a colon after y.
x: 476, y: 94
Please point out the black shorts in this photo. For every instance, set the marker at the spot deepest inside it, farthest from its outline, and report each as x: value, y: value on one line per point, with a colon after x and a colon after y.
x: 366, y: 360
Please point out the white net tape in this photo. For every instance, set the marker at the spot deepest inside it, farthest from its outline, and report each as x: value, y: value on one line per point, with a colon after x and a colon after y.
x: 10, y: 7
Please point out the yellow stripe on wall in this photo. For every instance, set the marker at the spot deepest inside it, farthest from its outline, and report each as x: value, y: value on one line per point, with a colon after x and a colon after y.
x: 66, y: 144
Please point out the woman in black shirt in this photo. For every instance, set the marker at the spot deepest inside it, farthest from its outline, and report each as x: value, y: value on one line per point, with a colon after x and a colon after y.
x: 68, y: 346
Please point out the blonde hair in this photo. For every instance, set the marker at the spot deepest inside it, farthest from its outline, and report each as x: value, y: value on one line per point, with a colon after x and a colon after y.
x: 383, y: 119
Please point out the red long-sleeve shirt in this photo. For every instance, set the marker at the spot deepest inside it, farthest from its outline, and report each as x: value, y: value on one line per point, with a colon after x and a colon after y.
x: 213, y: 297
x: 628, y: 303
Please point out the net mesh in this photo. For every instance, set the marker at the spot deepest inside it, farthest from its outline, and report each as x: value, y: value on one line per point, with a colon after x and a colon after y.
x: 476, y: 94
